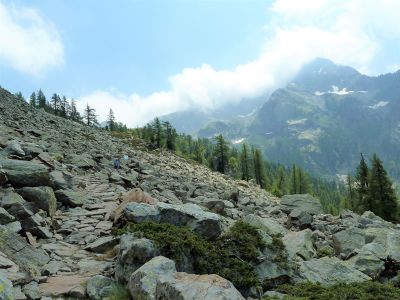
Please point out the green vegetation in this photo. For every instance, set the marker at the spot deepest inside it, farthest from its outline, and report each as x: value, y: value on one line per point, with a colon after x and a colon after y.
x: 230, y: 256
x: 354, y: 291
x: 118, y: 292
x: 373, y: 190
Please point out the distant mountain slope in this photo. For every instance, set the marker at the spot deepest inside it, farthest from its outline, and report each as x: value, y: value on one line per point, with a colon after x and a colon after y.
x: 324, y: 118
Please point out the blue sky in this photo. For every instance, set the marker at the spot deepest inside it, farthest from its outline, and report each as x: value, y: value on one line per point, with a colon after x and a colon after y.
x: 145, y: 58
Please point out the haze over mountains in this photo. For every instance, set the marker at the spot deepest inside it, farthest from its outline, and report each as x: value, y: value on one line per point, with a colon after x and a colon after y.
x: 321, y: 120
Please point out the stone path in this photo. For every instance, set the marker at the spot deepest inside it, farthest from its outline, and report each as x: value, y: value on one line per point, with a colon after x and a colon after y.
x: 81, y: 240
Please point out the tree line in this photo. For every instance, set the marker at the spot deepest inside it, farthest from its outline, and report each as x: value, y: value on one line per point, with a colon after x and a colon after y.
x: 66, y: 108
x: 244, y: 162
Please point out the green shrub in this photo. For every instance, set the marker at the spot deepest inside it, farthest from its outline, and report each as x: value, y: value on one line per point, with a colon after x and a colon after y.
x: 354, y: 291
x: 231, y: 256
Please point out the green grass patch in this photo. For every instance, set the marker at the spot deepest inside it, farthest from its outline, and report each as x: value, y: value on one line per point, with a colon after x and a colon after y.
x: 230, y: 256
x: 355, y: 291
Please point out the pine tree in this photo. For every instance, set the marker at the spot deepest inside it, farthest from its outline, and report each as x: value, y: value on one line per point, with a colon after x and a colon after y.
x: 199, y: 152
x: 32, y: 100
x: 244, y: 162
x: 350, y: 192
x: 294, y: 185
x: 278, y: 188
x: 363, y: 202
x: 158, y: 132
x: 170, y: 135
x: 55, y: 103
x: 41, y: 99
x: 63, y: 106
x: 382, y: 196
x: 19, y: 96
x: 303, y: 182
x: 111, y: 120
x: 221, y: 153
x: 90, y: 117
x: 259, y: 169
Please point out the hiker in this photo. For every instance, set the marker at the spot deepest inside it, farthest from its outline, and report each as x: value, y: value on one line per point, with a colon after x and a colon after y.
x: 117, y: 164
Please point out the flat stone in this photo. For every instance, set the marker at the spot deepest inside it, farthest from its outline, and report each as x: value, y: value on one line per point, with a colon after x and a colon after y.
x: 103, y: 244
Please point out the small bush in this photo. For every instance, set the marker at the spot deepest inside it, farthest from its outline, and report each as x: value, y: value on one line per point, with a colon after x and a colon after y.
x: 231, y: 256
x: 354, y: 291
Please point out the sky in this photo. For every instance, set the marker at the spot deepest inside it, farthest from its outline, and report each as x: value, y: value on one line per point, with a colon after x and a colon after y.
x: 147, y: 58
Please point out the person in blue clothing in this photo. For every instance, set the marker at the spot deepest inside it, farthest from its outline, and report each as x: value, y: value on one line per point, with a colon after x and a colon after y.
x: 117, y: 164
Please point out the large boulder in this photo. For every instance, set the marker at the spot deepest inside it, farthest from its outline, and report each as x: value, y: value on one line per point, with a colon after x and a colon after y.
x: 329, y: 271
x: 299, y: 244
x: 70, y: 198
x: 143, y: 282
x: 3, y: 177
x: 206, y: 224
x: 43, y: 197
x: 267, y: 225
x: 301, y: 202
x: 60, y: 182
x: 347, y: 241
x: 83, y: 161
x: 25, y: 173
x: 13, y: 148
x: 6, y: 288
x: 23, y: 254
x: 133, y: 253
x: 191, y: 286
x: 5, y: 217
x: 99, y: 287
x: 8, y: 198
x: 369, y: 260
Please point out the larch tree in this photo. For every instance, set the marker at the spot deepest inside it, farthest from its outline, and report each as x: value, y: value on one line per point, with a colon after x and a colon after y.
x: 32, y: 100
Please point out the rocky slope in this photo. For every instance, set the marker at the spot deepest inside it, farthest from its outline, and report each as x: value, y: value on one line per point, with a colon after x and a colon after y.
x: 60, y: 200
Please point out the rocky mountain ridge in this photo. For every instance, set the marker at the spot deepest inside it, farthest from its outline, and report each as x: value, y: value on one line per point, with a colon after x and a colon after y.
x: 61, y: 201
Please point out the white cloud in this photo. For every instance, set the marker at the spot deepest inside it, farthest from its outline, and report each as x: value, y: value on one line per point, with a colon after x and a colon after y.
x: 348, y: 32
x: 28, y: 43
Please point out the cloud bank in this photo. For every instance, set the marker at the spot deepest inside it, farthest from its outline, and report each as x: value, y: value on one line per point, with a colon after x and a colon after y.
x: 28, y: 43
x: 348, y: 32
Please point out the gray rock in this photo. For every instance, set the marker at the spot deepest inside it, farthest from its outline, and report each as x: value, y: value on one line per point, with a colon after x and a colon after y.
x: 9, y: 198
x: 143, y: 282
x: 299, y: 244
x: 206, y: 224
x: 274, y: 294
x: 5, y: 217
x: 59, y: 181
x: 51, y: 268
x: 31, y: 290
x: 300, y: 218
x: 43, y: 197
x: 103, y: 244
x: 329, y: 271
x: 70, y: 198
x: 302, y: 202
x: 13, y: 148
x: 3, y: 177
x: 348, y: 240
x: 14, y: 226
x: 83, y: 161
x: 99, y: 287
x: 268, y: 225
x: 190, y: 286
x: 25, y: 173
x: 19, y: 251
x: 6, y: 290
x: 133, y: 253
x: 369, y: 260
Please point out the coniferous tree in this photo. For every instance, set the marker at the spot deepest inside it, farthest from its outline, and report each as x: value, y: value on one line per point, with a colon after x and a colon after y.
x: 383, y: 201
x: 63, y: 106
x: 278, y: 188
x: 90, y: 116
x: 244, y: 162
x: 41, y: 99
x: 158, y: 132
x: 19, y: 96
x: 32, y: 100
x: 259, y: 169
x: 221, y: 153
x: 363, y: 202
x: 111, y: 120
x: 55, y: 103
x: 199, y: 152
x: 294, y: 185
x: 303, y: 182
x: 351, y: 195
x: 74, y: 115
x: 170, y: 135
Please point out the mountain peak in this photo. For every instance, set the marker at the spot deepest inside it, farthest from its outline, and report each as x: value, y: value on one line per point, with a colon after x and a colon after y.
x: 321, y: 74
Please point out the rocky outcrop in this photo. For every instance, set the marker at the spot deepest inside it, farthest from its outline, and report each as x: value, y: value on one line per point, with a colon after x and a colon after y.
x: 42, y: 197
x: 25, y: 173
x: 6, y: 288
x: 158, y: 279
x: 209, y: 225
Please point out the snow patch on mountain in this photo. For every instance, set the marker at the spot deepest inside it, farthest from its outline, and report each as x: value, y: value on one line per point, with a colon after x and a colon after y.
x: 335, y: 90
x: 379, y: 104
x: 296, y: 122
